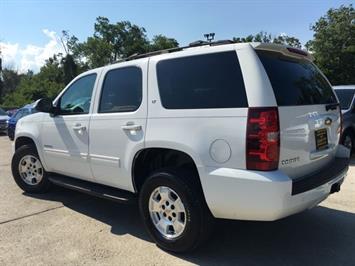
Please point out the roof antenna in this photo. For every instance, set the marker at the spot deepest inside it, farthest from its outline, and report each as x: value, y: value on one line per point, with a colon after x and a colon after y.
x: 209, y: 36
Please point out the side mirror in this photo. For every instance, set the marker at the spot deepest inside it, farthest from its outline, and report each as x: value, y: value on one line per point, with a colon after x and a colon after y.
x: 44, y: 105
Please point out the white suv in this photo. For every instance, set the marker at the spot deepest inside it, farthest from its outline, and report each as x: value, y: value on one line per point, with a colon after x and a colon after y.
x: 237, y: 131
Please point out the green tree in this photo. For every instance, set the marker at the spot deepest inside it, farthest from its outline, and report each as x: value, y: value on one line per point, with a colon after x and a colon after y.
x: 287, y: 40
x: 10, y: 79
x: 112, y: 42
x: 268, y: 38
x: 72, y: 65
x: 249, y: 38
x: 47, y: 83
x: 334, y: 45
x: 161, y: 42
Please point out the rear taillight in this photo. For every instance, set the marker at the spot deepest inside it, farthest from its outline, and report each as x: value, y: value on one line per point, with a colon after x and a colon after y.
x: 263, y: 139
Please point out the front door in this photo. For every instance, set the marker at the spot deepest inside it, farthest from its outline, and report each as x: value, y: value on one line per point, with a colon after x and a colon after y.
x: 65, y: 136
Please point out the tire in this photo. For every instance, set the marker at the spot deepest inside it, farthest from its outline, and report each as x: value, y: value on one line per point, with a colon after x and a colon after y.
x: 348, y: 140
x: 197, y: 217
x: 37, y: 181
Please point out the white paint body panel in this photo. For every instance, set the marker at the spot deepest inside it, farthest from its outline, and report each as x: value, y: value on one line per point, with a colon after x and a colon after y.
x: 105, y: 153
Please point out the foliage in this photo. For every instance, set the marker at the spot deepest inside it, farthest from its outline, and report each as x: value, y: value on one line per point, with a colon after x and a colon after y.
x: 47, y: 83
x: 10, y: 80
x: 268, y: 38
x: 161, y: 42
x: 334, y: 45
x: 112, y: 42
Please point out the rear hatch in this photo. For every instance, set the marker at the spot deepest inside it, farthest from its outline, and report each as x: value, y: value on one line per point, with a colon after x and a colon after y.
x: 309, y: 114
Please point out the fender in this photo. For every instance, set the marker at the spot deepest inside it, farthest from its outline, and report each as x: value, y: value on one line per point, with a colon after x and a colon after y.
x: 30, y: 127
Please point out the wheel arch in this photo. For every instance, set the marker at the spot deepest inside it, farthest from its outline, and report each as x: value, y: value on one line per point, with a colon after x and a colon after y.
x: 26, y: 139
x: 150, y: 159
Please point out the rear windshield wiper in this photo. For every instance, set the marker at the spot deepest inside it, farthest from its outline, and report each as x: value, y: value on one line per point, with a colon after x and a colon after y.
x: 331, y: 106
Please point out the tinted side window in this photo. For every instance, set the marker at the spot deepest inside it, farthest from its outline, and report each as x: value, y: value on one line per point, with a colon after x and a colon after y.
x: 122, y: 90
x: 77, y: 98
x: 296, y: 81
x: 202, y: 81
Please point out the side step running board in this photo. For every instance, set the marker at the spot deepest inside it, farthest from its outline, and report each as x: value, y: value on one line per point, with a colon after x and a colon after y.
x: 94, y: 189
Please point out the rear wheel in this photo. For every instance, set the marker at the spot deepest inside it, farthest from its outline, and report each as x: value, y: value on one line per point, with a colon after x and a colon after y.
x: 174, y: 213
x: 28, y: 171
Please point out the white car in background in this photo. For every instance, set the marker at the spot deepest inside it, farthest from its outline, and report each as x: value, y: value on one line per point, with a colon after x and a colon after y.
x: 237, y: 131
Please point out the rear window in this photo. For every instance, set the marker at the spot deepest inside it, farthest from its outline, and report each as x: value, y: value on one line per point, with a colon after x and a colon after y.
x: 345, y: 98
x: 202, y: 81
x: 296, y: 81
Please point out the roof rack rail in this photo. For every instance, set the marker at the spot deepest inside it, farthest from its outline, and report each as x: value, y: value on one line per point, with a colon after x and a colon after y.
x: 221, y: 42
x: 198, y: 43
x: 175, y: 49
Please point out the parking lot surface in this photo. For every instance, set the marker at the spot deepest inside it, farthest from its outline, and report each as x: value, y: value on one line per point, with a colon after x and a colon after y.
x: 67, y: 228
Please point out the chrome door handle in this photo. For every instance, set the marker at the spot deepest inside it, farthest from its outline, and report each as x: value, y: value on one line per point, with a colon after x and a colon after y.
x: 79, y: 127
x: 132, y: 127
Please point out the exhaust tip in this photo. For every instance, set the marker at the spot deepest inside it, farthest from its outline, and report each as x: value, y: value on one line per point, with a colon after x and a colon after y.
x: 335, y: 188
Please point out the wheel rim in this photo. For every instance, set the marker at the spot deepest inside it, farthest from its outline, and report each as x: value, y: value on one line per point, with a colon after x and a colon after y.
x: 31, y: 170
x: 348, y: 142
x: 167, y: 212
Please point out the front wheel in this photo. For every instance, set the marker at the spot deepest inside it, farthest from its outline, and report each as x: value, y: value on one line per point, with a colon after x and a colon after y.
x: 28, y: 171
x: 174, y: 211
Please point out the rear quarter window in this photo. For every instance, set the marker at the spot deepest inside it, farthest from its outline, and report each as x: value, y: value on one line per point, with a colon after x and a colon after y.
x: 296, y: 81
x: 202, y: 81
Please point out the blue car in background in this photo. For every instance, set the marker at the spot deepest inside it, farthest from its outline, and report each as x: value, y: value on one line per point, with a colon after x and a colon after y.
x: 22, y: 112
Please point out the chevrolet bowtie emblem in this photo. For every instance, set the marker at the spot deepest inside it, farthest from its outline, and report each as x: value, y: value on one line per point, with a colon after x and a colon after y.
x: 328, y: 121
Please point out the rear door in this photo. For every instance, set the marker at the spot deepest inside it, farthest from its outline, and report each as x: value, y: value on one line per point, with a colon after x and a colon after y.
x: 308, y: 112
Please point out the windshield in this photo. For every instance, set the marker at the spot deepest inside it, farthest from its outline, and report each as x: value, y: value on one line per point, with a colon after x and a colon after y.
x: 2, y: 112
x: 345, y: 98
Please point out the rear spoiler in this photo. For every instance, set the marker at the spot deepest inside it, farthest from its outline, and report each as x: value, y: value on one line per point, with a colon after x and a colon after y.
x: 284, y: 49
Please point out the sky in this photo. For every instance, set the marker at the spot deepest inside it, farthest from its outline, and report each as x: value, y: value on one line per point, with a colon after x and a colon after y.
x: 30, y: 29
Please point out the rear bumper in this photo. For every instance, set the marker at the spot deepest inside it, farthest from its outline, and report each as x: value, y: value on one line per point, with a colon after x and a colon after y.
x: 267, y: 196
x: 306, y: 183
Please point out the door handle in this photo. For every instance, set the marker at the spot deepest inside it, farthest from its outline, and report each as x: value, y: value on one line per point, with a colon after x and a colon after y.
x: 79, y: 127
x: 132, y: 127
